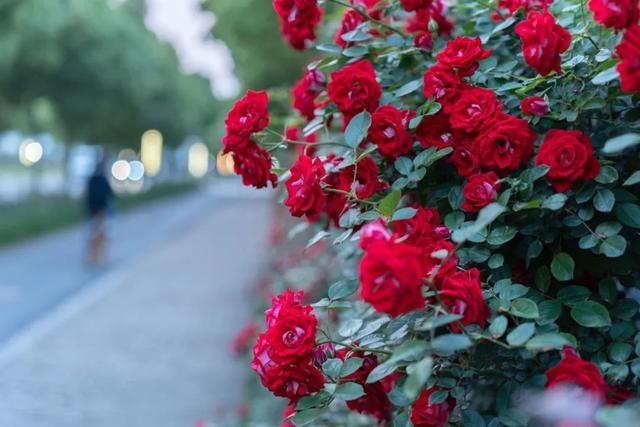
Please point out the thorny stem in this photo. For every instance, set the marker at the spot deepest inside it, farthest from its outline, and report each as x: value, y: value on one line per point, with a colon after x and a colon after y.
x: 351, y: 346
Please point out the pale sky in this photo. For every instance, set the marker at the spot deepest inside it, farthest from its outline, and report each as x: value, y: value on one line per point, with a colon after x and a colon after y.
x: 181, y: 23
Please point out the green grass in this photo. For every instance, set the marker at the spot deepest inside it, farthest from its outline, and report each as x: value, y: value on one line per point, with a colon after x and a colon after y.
x: 39, y: 215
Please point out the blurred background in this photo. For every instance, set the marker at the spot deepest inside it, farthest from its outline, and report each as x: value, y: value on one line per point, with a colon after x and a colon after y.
x: 128, y: 250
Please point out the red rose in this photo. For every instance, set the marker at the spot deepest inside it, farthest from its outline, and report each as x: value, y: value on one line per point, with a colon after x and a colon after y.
x: 618, y: 14
x: 375, y: 231
x: 292, y: 337
x: 423, y: 40
x: 350, y: 21
x: 480, y: 190
x: 233, y: 143
x: 534, y: 106
x: 391, y: 278
x: 420, y: 229
x: 629, y: 67
x: 572, y: 371
x: 304, y: 192
x: 570, y: 156
x: 462, y: 293
x: 305, y: 92
x: 418, y: 21
x: 280, y: 303
x: 505, y: 145
x: 292, y: 381
x: 253, y: 164
x: 336, y: 203
x: 248, y: 115
x: 412, y: 5
x: 298, y: 20
x: 512, y: 6
x: 462, y: 55
x: 435, y: 131
x: 443, y: 85
x: 286, y: 414
x: 389, y: 132
x: 543, y: 41
x: 464, y: 157
x: 375, y: 401
x: 474, y: 109
x: 618, y: 395
x: 425, y: 414
x: 366, y: 180
x: 354, y: 89
x: 438, y: 10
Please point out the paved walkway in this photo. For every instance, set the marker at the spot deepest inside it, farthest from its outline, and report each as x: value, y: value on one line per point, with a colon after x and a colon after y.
x: 147, y: 345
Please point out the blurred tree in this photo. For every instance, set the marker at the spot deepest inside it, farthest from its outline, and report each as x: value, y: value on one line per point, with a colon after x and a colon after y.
x: 251, y: 31
x: 91, y: 71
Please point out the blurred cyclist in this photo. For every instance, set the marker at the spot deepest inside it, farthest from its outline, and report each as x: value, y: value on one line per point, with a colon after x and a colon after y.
x: 99, y: 195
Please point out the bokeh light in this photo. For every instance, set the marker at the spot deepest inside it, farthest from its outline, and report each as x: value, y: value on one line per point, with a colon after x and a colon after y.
x: 224, y: 164
x: 151, y: 151
x: 30, y: 152
x: 198, y: 160
x: 121, y: 170
x: 137, y: 170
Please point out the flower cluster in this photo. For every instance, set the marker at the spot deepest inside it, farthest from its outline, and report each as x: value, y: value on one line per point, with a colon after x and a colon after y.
x: 484, y: 225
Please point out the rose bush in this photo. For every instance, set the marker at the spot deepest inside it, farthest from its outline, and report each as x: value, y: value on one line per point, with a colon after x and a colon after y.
x: 468, y: 177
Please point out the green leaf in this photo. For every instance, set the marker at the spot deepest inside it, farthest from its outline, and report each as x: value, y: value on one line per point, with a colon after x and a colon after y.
x: 349, y: 391
x: 471, y: 418
x: 619, y: 352
x: 350, y: 366
x: 485, y: 217
x: 404, y: 165
x: 438, y: 396
x: 446, y: 345
x: 549, y: 312
x: 356, y: 36
x: 572, y: 295
x: 355, y: 51
x: 418, y: 374
x: 498, y: 326
x: 501, y: 235
x: 555, y: 202
x: 357, y: 129
x: 633, y: 179
x: 524, y: 308
x: 306, y: 417
x: 606, y: 76
x: 388, y: 205
x: 409, y: 88
x: 607, y: 175
x: 591, y: 314
x: 343, y: 289
x: 620, y: 143
x: 521, y: 334
x: 404, y: 213
x: 614, y: 246
x: 381, y: 371
x: 562, y: 267
x: 604, y: 200
x: 608, y: 229
x: 333, y: 49
x: 331, y: 367
x: 628, y: 214
x: 496, y: 261
x: 547, y: 342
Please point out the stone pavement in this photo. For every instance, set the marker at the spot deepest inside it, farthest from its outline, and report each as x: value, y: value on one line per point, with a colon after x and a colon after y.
x: 147, y: 346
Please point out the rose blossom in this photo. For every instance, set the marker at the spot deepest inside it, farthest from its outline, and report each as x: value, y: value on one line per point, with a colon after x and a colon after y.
x: 253, y: 164
x: 305, y: 92
x: 413, y: 5
x: 391, y: 278
x: 543, y: 41
x: 479, y: 191
x: 304, y: 192
x: 298, y: 20
x: 464, y: 157
x: 435, y: 131
x: 354, y: 89
x: 573, y: 371
x: 617, y: 14
x: 374, y: 231
x: 462, y: 294
x: 570, y: 156
x: 293, y: 336
x: 423, y: 40
x: 365, y: 182
x: 462, y: 55
x: 350, y: 22
x: 443, y: 85
x: 629, y: 67
x: 248, y: 115
x: 389, y: 132
x: 292, y: 381
x: 512, y: 6
x: 425, y: 414
x: 474, y: 109
x: 504, y: 145
x: 375, y: 400
x: 534, y: 106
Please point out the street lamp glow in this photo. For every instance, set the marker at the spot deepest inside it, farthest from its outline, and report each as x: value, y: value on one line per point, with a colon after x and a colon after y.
x: 151, y: 152
x: 198, y: 163
x: 30, y: 152
x: 121, y: 170
x: 136, y: 172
